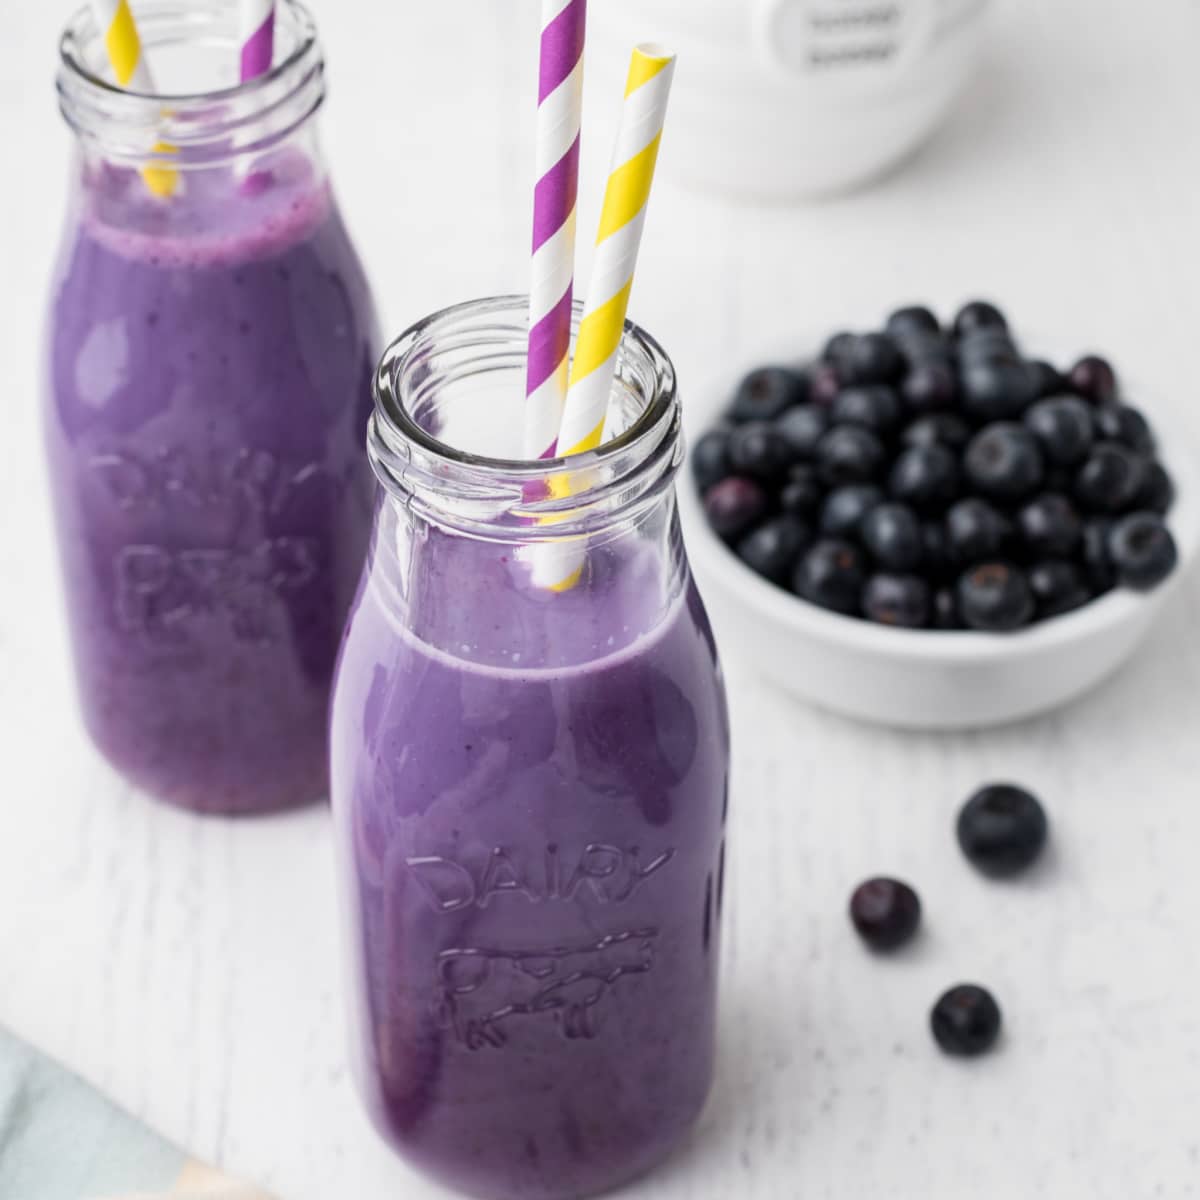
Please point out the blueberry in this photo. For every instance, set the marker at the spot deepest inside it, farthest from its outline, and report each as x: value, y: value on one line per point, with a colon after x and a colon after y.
x: 801, y: 428
x: 989, y: 344
x: 845, y: 507
x: 1050, y: 380
x: 848, y: 454
x: 945, y: 428
x: 1001, y: 829
x: 734, y: 505
x: 976, y: 531
x: 1097, y: 564
x: 1064, y: 428
x: 773, y: 548
x: 914, y: 319
x: 996, y: 391
x: 831, y: 574
x: 936, y: 559
x: 995, y: 597
x: 1110, y: 478
x: 921, y: 349
x: 824, y: 383
x: 945, y: 609
x: 1050, y: 527
x: 837, y: 349
x: 756, y: 450
x: 978, y: 314
x: 802, y: 493
x: 1125, y: 424
x: 927, y: 477
x: 886, y: 912
x: 1142, y: 550
x: 710, y: 458
x: 965, y: 1021
x: 1093, y: 378
x: 766, y: 393
x: 1157, y: 492
x: 873, y: 358
x: 873, y: 406
x: 1057, y: 587
x: 901, y: 600
x: 1003, y: 462
x: 929, y: 386
x: 892, y: 533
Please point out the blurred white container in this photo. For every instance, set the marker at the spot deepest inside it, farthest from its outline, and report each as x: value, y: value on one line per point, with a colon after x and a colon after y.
x: 784, y: 98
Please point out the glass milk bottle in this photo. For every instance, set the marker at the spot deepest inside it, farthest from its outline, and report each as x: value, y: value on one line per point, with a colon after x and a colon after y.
x: 209, y: 350
x: 529, y: 786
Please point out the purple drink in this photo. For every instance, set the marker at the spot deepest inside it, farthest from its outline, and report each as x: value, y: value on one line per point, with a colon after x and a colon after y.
x: 529, y: 790
x: 209, y: 361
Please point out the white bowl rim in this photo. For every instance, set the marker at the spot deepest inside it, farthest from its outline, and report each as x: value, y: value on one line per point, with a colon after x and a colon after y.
x: 1111, y: 610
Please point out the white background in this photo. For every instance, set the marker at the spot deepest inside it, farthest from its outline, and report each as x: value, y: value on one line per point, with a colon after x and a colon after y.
x: 189, y: 967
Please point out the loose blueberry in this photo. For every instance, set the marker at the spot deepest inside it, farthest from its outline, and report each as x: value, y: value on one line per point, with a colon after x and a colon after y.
x: 1142, y: 550
x: 945, y: 609
x: 1003, y: 462
x: 710, y: 458
x: 1050, y: 527
x: 886, y: 912
x: 849, y: 454
x: 944, y: 428
x: 996, y: 391
x: 1110, y: 478
x: 1125, y: 424
x: 1050, y: 380
x: 845, y: 507
x: 824, y: 383
x: 802, y: 493
x: 927, y: 477
x: 766, y: 393
x: 1001, y: 829
x: 733, y: 505
x: 801, y: 428
x: 831, y: 574
x: 995, y: 598
x: 1093, y: 378
x: 873, y: 406
x: 978, y: 314
x: 1097, y: 564
x: 914, y: 319
x: 892, y: 533
x: 1157, y: 492
x: 900, y: 600
x: 1058, y: 587
x: 772, y: 549
x: 929, y: 386
x: 756, y: 450
x: 976, y: 531
x: 965, y: 1021
x: 1064, y: 428
x: 873, y: 358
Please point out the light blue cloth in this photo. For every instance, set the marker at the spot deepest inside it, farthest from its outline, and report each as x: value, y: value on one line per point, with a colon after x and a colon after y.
x: 61, y: 1140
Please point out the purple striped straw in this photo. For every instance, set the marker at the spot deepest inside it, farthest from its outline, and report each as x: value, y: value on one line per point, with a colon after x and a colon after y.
x: 560, y: 105
x: 257, y: 37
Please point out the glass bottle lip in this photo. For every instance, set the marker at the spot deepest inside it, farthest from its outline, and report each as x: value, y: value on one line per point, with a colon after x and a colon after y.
x: 634, y: 466
x: 200, y: 123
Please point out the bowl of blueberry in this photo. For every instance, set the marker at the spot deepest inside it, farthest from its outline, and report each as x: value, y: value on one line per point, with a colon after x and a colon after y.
x: 929, y: 527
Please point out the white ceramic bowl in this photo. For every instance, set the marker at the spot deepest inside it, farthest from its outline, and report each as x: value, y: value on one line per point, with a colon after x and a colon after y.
x: 926, y: 679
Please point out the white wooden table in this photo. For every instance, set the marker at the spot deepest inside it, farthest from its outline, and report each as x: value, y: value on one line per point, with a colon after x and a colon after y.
x: 189, y: 967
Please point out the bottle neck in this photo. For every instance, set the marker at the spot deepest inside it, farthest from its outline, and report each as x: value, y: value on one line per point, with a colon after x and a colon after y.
x: 202, y: 118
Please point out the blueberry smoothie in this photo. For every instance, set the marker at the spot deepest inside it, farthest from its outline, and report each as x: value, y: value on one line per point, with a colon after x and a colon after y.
x: 529, y: 792
x: 209, y: 360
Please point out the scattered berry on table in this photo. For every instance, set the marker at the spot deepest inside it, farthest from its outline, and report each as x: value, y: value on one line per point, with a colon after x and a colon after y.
x: 966, y: 1020
x: 886, y: 912
x: 1002, y: 829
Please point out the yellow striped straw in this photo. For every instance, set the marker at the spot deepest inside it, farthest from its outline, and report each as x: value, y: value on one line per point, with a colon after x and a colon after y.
x: 132, y: 73
x: 622, y: 219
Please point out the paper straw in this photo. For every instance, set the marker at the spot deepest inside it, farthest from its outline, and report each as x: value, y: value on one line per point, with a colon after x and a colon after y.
x: 621, y: 221
x: 132, y: 73
x: 560, y: 107
x: 257, y: 34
